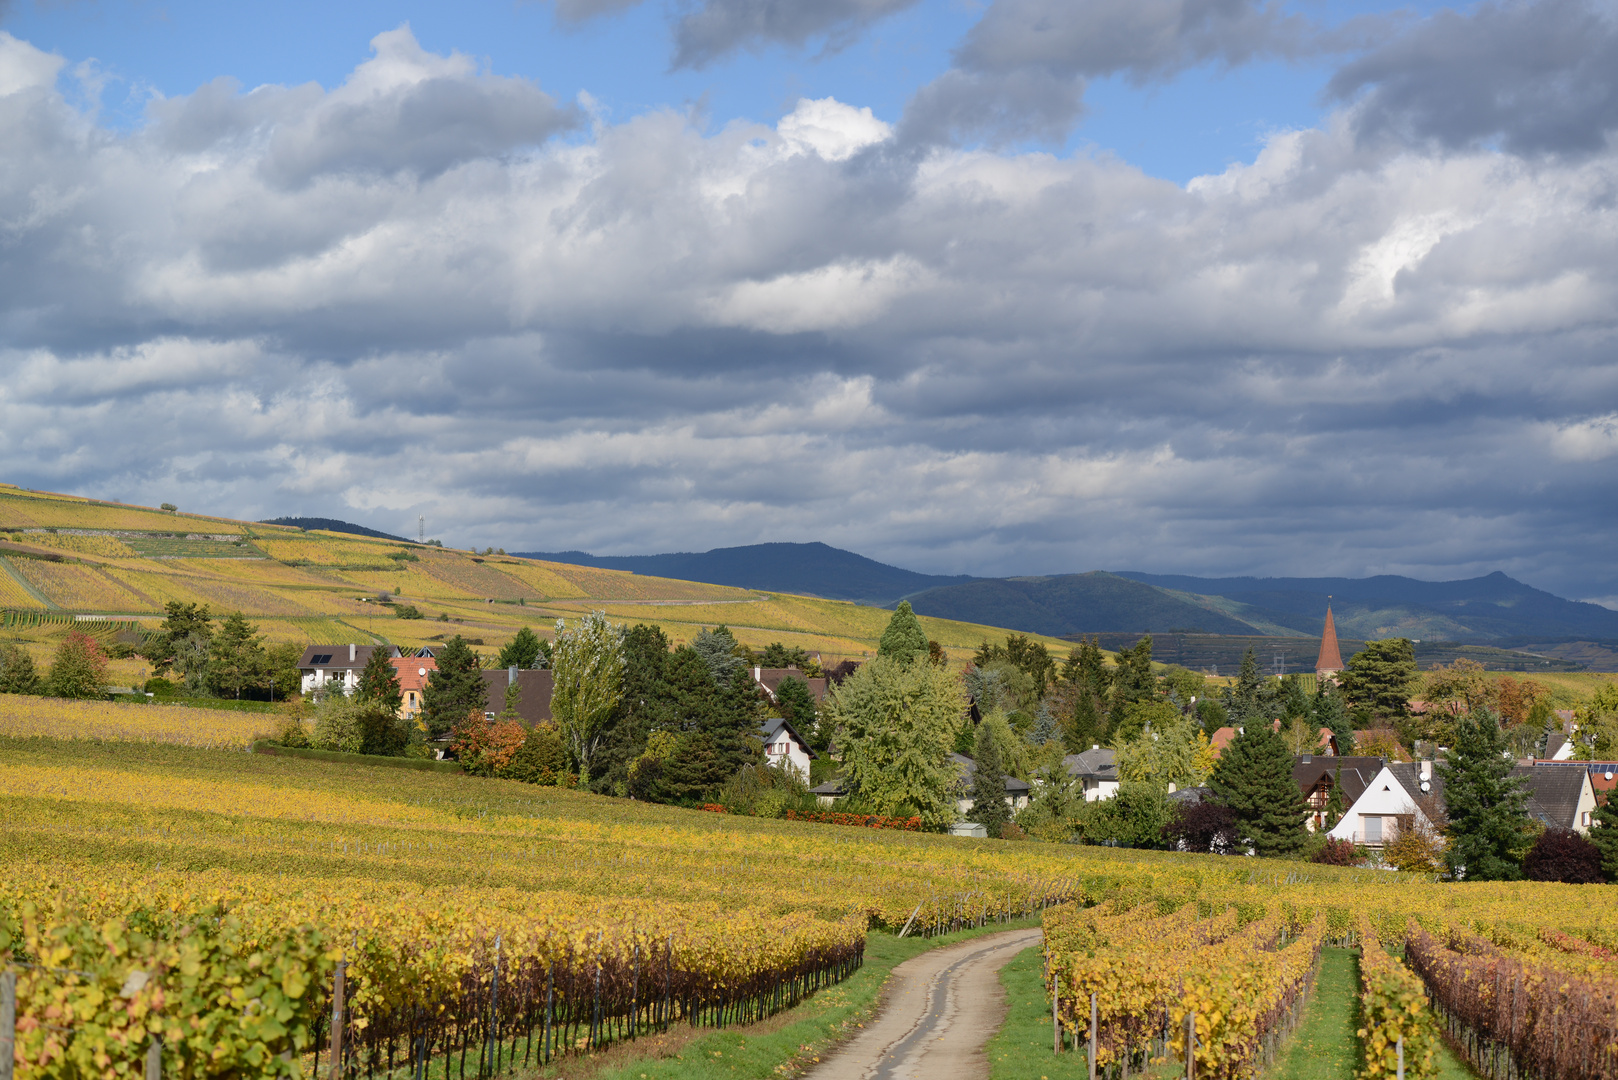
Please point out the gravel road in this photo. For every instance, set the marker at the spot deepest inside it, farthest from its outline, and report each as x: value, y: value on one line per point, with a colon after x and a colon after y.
x: 938, y: 1010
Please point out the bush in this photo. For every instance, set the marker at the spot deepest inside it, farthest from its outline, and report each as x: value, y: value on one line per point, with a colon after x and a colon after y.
x: 17, y: 674
x: 1563, y: 855
x: 766, y: 791
x: 1338, y: 853
x: 541, y: 759
x: 1202, y: 826
x: 407, y: 611
x: 1010, y: 831
x: 356, y: 726
x: 79, y: 669
x: 293, y: 734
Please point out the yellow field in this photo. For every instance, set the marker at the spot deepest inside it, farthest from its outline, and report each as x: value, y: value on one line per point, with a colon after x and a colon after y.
x: 26, y: 717
x: 75, y: 587
x: 20, y: 509
x: 109, y: 547
x: 12, y: 593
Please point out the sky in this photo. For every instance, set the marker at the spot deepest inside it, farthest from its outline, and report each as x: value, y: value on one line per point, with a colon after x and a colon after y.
x: 1001, y: 287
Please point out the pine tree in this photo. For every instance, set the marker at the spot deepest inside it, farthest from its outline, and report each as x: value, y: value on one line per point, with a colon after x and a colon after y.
x: 904, y: 638
x: 379, y: 682
x: 1605, y: 837
x: 988, y: 792
x: 183, y: 622
x: 521, y: 651
x: 17, y: 672
x: 737, y: 733
x: 1379, y: 678
x: 1245, y: 703
x: 1487, y: 806
x: 1254, y: 779
x: 454, y: 691
x: 1330, y: 711
x: 797, y: 707
x: 235, y: 656
x: 1086, y: 726
x: 1132, y: 680
x: 645, y: 707
x: 718, y: 649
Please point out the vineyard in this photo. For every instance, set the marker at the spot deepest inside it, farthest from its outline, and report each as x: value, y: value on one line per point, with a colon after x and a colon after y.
x: 484, y: 925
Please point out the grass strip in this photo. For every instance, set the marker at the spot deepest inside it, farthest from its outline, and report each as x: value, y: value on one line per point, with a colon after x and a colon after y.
x: 785, y: 1045
x: 419, y: 764
x: 1325, y: 1047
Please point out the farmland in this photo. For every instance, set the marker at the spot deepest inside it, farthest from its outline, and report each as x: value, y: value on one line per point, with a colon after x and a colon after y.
x: 413, y: 882
x: 105, y: 559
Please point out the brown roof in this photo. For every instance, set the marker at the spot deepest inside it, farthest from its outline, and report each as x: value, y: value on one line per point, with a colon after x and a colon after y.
x: 1330, y: 658
x: 1355, y: 773
x: 533, y: 692
x: 771, y: 678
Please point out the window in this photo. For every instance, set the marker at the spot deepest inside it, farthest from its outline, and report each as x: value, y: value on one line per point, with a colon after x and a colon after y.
x: 1373, y: 829
x: 1586, y: 821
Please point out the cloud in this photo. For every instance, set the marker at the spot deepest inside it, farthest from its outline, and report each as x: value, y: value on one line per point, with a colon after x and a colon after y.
x: 1337, y: 358
x: 718, y: 28
x: 1535, y: 77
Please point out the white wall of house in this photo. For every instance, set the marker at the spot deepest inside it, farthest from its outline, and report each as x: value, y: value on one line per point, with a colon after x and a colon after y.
x: 1373, y: 819
x: 345, y: 679
x: 1582, y: 818
x: 1018, y: 802
x: 1096, y: 790
x: 785, y: 752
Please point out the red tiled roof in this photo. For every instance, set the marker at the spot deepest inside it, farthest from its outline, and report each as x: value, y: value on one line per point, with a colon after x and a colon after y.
x: 413, y: 671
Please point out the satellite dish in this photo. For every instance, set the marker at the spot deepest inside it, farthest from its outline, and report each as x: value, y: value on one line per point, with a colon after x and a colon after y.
x: 421, y: 671
x: 1426, y: 785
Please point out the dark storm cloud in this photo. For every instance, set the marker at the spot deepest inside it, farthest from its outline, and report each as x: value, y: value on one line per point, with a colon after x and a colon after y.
x: 1535, y: 78
x: 1341, y: 358
x: 720, y: 27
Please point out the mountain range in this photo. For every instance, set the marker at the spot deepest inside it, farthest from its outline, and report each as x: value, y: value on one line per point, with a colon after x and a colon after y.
x: 1494, y: 608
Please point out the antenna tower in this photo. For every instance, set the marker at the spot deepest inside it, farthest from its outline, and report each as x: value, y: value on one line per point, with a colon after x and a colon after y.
x: 421, y: 529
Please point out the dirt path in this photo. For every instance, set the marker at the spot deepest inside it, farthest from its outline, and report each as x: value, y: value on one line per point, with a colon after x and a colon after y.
x: 938, y: 1010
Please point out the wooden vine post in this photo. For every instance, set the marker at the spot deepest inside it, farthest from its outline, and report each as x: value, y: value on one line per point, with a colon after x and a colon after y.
x: 337, y: 986
x: 1094, y: 1031
x: 1190, y: 1046
x: 8, y: 1022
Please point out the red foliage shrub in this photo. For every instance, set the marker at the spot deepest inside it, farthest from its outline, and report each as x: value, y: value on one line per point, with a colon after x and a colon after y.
x: 714, y: 808
x: 1337, y: 853
x: 1563, y: 855
x: 867, y: 821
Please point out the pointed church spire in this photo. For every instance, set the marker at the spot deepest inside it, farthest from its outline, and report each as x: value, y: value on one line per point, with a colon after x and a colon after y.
x: 1331, y: 660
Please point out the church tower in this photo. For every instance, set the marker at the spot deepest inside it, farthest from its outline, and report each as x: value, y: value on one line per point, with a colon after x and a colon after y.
x: 1330, y: 661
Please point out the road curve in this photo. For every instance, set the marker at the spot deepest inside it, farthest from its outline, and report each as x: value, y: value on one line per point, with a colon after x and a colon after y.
x: 938, y: 1011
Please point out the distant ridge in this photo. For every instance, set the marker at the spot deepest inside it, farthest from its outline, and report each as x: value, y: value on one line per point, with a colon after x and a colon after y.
x: 1096, y: 602
x: 333, y: 525
x: 816, y: 569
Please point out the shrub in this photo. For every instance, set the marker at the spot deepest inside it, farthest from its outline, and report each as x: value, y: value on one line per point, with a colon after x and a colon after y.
x: 407, y: 611
x: 1337, y: 852
x: 79, y: 669
x: 766, y: 791
x: 1202, y: 826
x: 357, y: 726
x: 541, y: 759
x: 1010, y: 831
x: 486, y: 747
x: 17, y: 674
x: 1563, y: 855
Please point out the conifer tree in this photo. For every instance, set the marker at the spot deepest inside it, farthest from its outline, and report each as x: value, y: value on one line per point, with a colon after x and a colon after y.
x: 17, y: 672
x: 454, y: 691
x: 235, y: 655
x: 1254, y: 779
x: 717, y: 647
x: 1331, y: 711
x: 1133, y: 680
x: 1487, y: 806
x: 521, y: 651
x: 643, y: 708
x: 379, y: 682
x: 797, y: 707
x: 1605, y: 837
x: 1245, y: 704
x: 988, y: 792
x: 904, y: 638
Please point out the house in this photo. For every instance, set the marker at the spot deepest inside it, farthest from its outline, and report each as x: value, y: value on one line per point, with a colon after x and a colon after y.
x: 1017, y: 791
x: 1316, y: 774
x: 769, y: 680
x: 1390, y: 802
x: 324, y: 665
x: 1224, y: 736
x: 785, y: 748
x: 1558, y: 747
x: 1097, y: 770
x: 827, y: 793
x: 1559, y: 796
x: 534, y: 689
x: 412, y: 673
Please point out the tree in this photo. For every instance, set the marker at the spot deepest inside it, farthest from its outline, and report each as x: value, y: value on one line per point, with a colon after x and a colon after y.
x: 988, y: 792
x: 1379, y: 678
x: 896, y: 724
x: 1135, y: 817
x: 1597, y: 735
x: 737, y: 732
x: 281, y: 674
x: 235, y: 656
x: 588, y: 669
x: 1202, y: 825
x: 1331, y: 711
x: 454, y: 690
x: 718, y: 649
x: 522, y: 651
x: 1245, y: 701
x: 1488, y: 819
x: 1563, y: 855
x: 1133, y: 681
x: 1172, y: 752
x: 1605, y: 837
x: 1485, y: 806
x: 1136, y: 717
x: 1211, y: 716
x: 79, y: 669
x: 904, y: 638
x: 354, y: 725
x: 777, y: 655
x: 643, y: 708
x: 17, y: 672
x: 183, y: 621
x: 797, y: 707
x: 379, y: 682
x: 1254, y: 779
x: 1336, y: 805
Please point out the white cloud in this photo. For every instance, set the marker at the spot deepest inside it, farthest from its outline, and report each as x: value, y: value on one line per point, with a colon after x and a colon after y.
x: 831, y: 129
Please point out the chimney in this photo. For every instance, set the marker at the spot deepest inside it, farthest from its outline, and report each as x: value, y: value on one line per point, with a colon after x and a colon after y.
x: 758, y: 674
x: 351, y: 652
x: 511, y: 674
x: 1427, y: 769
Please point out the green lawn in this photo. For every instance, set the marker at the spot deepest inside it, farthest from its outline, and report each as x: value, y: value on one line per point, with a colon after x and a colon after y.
x: 1022, y: 1049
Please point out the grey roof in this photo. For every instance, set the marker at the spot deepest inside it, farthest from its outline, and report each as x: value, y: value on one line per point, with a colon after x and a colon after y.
x: 970, y: 767
x: 1094, y: 764
x: 534, y: 689
x: 1553, y: 793
x: 1408, y: 773
x: 834, y: 786
x: 775, y: 723
x: 334, y: 657
x: 1191, y: 795
x: 1354, y: 773
x: 1554, y: 742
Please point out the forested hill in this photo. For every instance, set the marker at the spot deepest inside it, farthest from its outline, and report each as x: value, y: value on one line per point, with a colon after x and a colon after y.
x: 333, y: 525
x: 817, y: 569
x: 1096, y: 602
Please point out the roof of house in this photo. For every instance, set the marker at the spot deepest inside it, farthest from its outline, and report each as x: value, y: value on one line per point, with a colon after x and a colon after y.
x: 771, y: 678
x: 1353, y: 773
x: 337, y: 656
x: 1096, y: 763
x: 412, y: 671
x: 1553, y: 793
x: 533, y: 692
x: 1191, y: 795
x: 1408, y: 773
x: 775, y: 723
x: 970, y: 767
x: 833, y: 787
x: 1330, y: 658
x: 1554, y: 742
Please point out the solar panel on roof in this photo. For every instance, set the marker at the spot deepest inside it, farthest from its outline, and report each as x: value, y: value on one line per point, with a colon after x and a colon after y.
x: 322, y: 658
